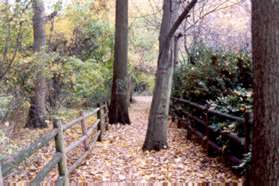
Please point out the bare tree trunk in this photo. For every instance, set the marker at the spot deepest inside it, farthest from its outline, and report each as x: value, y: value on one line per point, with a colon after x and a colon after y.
x: 156, y: 136
x: 265, y: 29
x: 37, y: 113
x: 118, y: 111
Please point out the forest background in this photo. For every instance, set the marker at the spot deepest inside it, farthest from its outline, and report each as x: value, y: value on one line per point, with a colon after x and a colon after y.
x: 78, y: 62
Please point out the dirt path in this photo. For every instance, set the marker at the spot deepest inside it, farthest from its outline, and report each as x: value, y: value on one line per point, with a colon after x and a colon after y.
x: 120, y: 158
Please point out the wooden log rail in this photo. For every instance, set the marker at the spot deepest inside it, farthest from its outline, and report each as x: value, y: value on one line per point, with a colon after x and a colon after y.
x: 204, y: 136
x: 7, y: 165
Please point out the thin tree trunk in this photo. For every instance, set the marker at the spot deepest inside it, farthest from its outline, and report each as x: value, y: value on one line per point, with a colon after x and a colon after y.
x: 118, y: 111
x: 37, y: 113
x: 265, y: 31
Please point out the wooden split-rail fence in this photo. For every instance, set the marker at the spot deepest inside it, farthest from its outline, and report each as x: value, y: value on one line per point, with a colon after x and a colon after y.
x: 94, y: 132
x: 199, y: 125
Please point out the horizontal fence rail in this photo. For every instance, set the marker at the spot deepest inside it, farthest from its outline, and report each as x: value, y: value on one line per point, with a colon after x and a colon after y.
x: 11, y: 163
x: 208, y: 134
x: 210, y: 111
x: 7, y: 165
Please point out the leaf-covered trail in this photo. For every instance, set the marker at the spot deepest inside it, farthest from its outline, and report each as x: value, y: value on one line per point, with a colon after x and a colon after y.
x: 120, y: 158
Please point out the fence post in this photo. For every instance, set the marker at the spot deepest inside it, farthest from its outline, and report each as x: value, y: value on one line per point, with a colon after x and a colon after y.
x: 179, y: 124
x: 206, y: 120
x: 247, y: 131
x: 84, y: 130
x: 188, y: 126
x: 101, y: 124
x: 1, y: 176
x: 106, y: 115
x: 60, y: 147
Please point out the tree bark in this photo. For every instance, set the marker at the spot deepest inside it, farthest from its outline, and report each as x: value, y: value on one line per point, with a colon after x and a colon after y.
x: 265, y: 33
x: 118, y: 111
x: 156, y: 137
x: 37, y: 113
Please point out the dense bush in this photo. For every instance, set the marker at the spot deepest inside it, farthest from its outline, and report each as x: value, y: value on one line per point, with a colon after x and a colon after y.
x: 92, y: 40
x: 212, y: 76
x: 90, y: 81
x: 223, y: 80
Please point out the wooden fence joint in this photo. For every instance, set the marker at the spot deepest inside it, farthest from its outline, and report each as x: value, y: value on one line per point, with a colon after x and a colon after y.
x: 101, y: 123
x: 60, y: 147
x: 106, y: 113
x: 84, y: 130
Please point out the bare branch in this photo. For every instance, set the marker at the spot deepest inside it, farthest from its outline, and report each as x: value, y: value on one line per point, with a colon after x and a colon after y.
x: 176, y: 25
x: 51, y: 16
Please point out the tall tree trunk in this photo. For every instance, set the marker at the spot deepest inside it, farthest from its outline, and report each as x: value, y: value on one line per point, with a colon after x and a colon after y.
x: 265, y: 31
x: 37, y: 112
x: 156, y: 136
x: 118, y: 111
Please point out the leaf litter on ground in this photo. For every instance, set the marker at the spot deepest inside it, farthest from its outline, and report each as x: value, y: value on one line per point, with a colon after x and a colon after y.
x: 119, y: 157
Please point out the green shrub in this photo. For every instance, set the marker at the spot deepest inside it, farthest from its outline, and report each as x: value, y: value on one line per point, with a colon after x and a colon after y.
x: 212, y: 76
x: 90, y: 81
x: 223, y: 80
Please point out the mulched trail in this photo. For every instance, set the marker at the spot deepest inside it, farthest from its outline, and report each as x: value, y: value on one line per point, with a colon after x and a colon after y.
x: 119, y: 157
